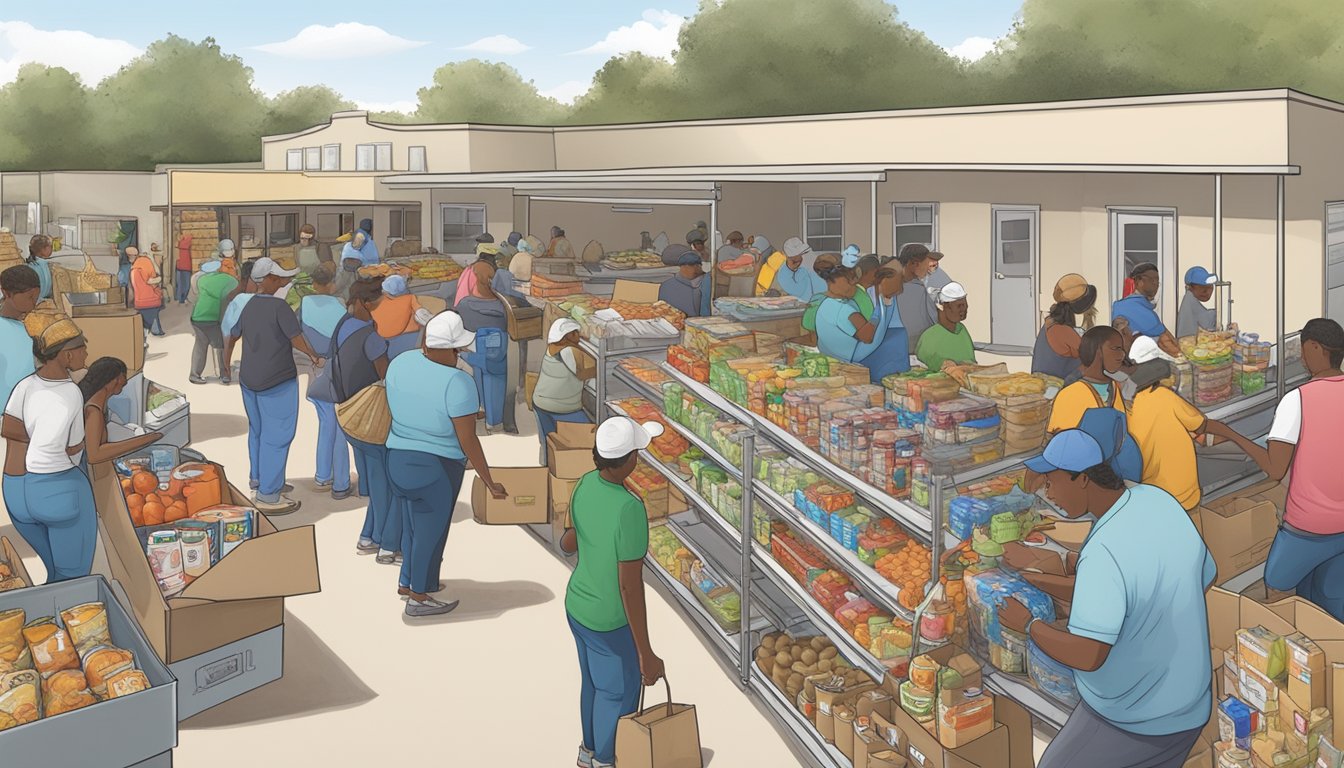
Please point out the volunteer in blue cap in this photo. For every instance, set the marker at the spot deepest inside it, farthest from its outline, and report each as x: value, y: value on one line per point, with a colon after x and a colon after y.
x: 1139, y: 585
x: 1193, y: 316
x: 686, y: 290
x: 1140, y: 310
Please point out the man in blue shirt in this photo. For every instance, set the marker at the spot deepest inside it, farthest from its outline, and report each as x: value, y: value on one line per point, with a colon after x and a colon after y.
x: 1138, y: 635
x: 1140, y: 311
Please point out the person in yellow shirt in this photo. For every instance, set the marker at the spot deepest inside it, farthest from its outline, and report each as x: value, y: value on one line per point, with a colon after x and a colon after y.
x: 1102, y: 351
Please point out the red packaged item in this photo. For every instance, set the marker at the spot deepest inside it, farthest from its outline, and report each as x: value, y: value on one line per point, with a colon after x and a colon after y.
x: 829, y: 589
x: 829, y: 497
x: 796, y: 556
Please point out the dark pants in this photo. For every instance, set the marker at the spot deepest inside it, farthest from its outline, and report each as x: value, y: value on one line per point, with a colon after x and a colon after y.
x: 609, y: 684
x: 1310, y: 563
x: 383, y: 516
x: 150, y: 319
x: 183, y: 285
x: 1089, y: 739
x: 428, y: 486
x: 208, y: 337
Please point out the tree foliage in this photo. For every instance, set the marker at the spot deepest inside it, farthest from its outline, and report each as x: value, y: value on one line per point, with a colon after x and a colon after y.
x: 186, y: 101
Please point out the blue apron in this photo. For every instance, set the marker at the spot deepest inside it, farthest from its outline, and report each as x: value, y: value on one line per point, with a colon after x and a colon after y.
x: 890, y: 348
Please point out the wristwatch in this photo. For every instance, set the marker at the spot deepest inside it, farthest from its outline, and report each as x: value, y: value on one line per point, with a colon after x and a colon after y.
x: 1027, y: 631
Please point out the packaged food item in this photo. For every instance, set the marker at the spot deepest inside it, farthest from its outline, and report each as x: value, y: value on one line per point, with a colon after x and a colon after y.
x: 234, y: 524
x: 917, y: 702
x: 66, y: 691
x: 830, y: 588
x: 1009, y: 655
x: 1237, y: 722
x: 847, y: 525
x: 987, y: 591
x: 1052, y: 677
x: 937, y: 621
x: 50, y: 645
x: 1328, y: 756
x: 87, y: 625
x: 165, y: 560
x: 13, y: 647
x: 20, y: 704
x: 103, y: 662
x: 963, y: 716
x: 1236, y: 757
x: 1263, y: 651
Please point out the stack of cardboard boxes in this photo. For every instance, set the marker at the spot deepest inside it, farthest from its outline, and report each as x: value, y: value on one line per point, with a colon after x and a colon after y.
x: 1239, y: 528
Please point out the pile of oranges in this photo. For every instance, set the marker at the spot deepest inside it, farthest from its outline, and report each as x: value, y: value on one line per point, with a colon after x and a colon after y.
x: 148, y: 504
x: 909, y: 568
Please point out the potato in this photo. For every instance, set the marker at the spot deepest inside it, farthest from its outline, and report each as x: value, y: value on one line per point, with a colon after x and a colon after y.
x: 824, y: 665
x: 780, y: 677
x: 764, y: 653
x: 798, y: 668
x: 828, y: 653
x: 809, y: 656
x: 783, y: 659
x: 767, y: 667
x: 818, y: 643
x: 795, y: 681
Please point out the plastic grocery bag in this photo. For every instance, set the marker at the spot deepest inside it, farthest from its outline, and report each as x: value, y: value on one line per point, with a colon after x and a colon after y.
x: 663, y: 736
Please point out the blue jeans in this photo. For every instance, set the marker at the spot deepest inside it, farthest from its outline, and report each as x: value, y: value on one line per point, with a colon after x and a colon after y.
x: 272, y: 417
x: 55, y: 515
x: 383, y: 516
x: 427, y: 486
x: 183, y: 286
x: 546, y: 422
x: 609, y: 687
x: 333, y: 452
x: 490, y: 387
x: 1311, y: 564
x: 151, y: 320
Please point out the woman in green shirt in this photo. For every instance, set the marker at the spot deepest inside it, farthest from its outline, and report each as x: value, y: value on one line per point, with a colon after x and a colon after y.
x: 948, y: 339
x: 605, y: 599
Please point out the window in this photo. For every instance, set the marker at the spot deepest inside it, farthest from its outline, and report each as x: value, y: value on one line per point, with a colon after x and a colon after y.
x: 1334, y: 261
x: 294, y: 160
x: 312, y: 158
x: 462, y: 224
x: 7, y: 217
x: 331, y: 157
x: 411, y: 226
x: 373, y: 157
x: 284, y: 229
x: 394, y: 220
x: 914, y: 223
x: 824, y: 225
x: 416, y: 161
x: 403, y: 223
x: 331, y: 226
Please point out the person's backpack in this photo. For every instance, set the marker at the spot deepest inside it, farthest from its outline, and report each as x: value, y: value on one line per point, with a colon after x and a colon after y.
x: 1110, y: 428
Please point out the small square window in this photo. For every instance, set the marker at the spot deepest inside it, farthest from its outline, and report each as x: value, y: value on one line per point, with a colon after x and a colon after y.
x: 417, y: 160
x: 294, y: 160
x: 312, y: 158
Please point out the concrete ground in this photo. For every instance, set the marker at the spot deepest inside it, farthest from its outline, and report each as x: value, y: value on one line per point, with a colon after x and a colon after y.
x: 493, y: 684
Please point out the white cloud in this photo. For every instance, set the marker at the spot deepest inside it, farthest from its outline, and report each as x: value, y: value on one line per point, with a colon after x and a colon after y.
x: 388, y: 106
x: 340, y: 41
x: 655, y: 34
x: 500, y: 45
x: 92, y: 58
x: 973, y: 48
x: 567, y: 91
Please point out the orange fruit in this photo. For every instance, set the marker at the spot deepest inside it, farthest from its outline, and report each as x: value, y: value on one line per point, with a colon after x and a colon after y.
x: 144, y: 482
x: 127, y: 487
x: 153, y: 513
x: 135, y: 501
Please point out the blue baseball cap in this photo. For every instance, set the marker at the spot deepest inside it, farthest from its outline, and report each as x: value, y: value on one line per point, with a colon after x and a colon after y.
x: 1199, y: 276
x: 1072, y: 450
x: 850, y: 256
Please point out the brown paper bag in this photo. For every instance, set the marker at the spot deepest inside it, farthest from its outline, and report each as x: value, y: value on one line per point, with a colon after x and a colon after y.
x: 664, y: 736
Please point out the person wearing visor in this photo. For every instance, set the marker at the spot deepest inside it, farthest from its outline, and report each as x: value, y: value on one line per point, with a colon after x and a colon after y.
x: 1057, y: 344
x: 948, y: 339
x: 686, y: 290
x: 558, y: 395
x: 270, y: 332
x: 1139, y: 309
x: 604, y: 602
x: 1303, y: 443
x: 1132, y: 592
x: 1193, y: 316
x: 48, y: 496
x: 433, y: 435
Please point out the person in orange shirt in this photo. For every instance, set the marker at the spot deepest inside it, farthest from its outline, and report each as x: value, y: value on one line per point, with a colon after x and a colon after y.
x: 146, y: 289
x: 399, y: 317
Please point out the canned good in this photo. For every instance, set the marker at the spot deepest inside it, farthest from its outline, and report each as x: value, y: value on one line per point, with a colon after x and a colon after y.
x: 165, y: 560
x: 195, y: 546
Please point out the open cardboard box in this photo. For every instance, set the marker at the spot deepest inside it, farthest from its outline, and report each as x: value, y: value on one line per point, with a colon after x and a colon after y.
x: 119, y: 333
x: 11, y: 556
x: 1238, y: 531
x: 569, y: 450
x: 242, y: 595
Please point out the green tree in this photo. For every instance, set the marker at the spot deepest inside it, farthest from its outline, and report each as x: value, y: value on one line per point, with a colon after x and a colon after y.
x: 476, y: 91
x: 180, y: 102
x: 628, y: 88
x: 46, y: 122
x: 301, y: 108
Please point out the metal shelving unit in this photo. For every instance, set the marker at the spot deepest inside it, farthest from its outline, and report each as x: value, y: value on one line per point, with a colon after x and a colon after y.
x: 607, y: 352
x: 800, y: 731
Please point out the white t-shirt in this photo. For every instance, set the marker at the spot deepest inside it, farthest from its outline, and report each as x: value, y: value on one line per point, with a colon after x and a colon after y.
x: 53, y: 414
x: 1287, y: 426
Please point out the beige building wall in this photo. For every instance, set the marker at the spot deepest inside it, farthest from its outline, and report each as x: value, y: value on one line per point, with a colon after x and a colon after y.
x: 755, y: 208
x: 1177, y: 130
x: 1316, y: 147
x: 263, y: 187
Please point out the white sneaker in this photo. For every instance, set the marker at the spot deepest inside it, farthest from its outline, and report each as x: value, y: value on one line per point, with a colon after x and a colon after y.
x: 585, y: 757
x: 285, y: 506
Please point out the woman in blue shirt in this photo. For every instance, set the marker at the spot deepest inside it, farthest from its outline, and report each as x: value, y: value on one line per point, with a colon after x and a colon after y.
x: 890, y: 348
x: 319, y: 314
x: 841, y: 325
x: 433, y: 433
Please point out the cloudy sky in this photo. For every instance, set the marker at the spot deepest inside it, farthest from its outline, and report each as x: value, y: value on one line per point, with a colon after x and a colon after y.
x: 379, y: 54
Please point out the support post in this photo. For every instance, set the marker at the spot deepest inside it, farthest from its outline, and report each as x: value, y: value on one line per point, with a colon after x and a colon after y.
x: 872, y: 199
x: 1218, y: 245
x: 1281, y: 269
x: 748, y: 500
x: 713, y: 248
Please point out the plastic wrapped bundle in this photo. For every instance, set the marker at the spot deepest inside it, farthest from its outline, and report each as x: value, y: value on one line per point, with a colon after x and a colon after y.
x: 989, y: 589
x: 1052, y: 677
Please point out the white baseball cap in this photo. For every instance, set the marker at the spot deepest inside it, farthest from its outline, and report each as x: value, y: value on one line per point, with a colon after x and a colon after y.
x: 560, y: 329
x: 620, y: 436
x: 445, y: 331
x: 268, y: 266
x: 1145, y: 349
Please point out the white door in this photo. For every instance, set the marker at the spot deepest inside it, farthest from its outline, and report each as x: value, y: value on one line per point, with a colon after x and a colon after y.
x: 1334, y: 261
x: 1013, y: 313
x: 1137, y: 238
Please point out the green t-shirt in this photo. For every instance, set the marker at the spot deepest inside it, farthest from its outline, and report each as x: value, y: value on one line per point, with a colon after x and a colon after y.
x: 613, y: 528
x: 937, y: 344
x: 210, y: 292
x: 861, y: 299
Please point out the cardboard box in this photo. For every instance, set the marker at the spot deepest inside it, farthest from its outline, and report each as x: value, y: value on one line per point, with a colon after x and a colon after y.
x: 1306, y: 671
x: 119, y: 334
x: 1009, y: 743
x: 529, y: 386
x: 10, y: 556
x: 119, y: 732
x: 1238, y: 531
x: 242, y: 595
x: 527, y: 502
x: 827, y: 700
x: 569, y: 450
x: 561, y: 491
x: 585, y: 363
x: 635, y: 291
